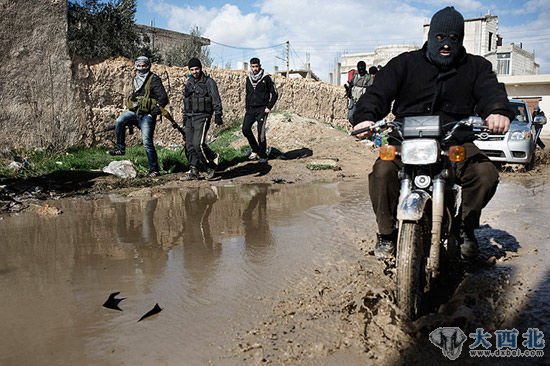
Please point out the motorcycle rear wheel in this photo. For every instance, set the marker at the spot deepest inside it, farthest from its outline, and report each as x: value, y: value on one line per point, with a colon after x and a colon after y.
x: 412, y: 255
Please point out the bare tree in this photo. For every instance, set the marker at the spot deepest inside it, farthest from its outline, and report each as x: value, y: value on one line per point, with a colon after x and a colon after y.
x: 192, y: 47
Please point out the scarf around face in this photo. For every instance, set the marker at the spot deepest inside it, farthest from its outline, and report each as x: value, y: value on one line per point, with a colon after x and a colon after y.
x: 139, y: 79
x: 255, y: 79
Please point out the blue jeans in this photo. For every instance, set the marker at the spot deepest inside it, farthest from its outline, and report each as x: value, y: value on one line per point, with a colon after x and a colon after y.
x: 146, y: 124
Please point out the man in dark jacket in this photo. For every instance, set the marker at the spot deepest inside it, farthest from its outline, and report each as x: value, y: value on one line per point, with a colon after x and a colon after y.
x: 440, y: 79
x: 356, y: 87
x: 261, y: 96
x: 538, y: 127
x: 143, y: 108
x: 201, y: 99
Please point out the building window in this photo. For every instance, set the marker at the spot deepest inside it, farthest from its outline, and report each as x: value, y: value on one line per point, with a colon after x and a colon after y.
x: 490, y: 40
x: 503, y: 63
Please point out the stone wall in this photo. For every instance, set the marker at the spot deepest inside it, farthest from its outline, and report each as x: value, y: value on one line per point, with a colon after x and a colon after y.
x: 104, y: 87
x: 47, y: 99
x: 38, y: 104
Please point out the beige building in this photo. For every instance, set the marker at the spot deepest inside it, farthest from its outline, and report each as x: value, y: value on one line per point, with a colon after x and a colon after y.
x: 380, y: 56
x: 164, y: 39
x: 535, y: 89
x: 481, y: 38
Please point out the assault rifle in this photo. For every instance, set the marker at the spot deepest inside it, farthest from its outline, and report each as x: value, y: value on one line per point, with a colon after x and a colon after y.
x: 166, y: 114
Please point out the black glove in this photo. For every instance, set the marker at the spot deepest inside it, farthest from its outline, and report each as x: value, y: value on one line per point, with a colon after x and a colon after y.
x: 348, y: 90
x: 218, y: 120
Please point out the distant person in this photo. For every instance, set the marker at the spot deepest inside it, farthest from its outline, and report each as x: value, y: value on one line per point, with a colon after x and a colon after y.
x: 261, y: 96
x: 143, y: 108
x: 201, y: 100
x: 372, y: 72
x: 538, y: 127
x: 357, y: 86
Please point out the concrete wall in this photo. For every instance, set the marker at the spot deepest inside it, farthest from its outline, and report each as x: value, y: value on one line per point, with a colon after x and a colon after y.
x: 38, y: 102
x: 476, y: 34
x: 164, y: 40
x: 104, y: 87
x: 380, y: 56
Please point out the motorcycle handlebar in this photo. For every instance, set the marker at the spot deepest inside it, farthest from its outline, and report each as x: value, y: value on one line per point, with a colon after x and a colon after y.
x: 378, y: 124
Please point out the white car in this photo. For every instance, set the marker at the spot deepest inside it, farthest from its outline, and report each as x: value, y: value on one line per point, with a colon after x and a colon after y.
x: 518, y: 145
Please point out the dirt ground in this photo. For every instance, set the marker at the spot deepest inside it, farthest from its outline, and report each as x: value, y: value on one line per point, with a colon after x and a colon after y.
x: 344, y: 312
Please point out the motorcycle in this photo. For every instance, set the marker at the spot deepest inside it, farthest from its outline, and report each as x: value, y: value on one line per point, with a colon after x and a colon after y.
x: 429, y: 208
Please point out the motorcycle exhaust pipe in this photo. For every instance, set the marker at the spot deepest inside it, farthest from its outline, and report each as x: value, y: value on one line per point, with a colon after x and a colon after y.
x: 438, y: 200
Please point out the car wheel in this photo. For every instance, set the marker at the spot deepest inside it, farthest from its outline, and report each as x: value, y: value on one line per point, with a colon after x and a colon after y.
x: 531, y: 164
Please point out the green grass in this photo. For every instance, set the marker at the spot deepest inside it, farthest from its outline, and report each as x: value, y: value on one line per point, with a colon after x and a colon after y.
x: 81, y: 158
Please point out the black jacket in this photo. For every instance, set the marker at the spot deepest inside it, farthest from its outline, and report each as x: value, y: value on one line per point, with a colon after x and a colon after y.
x: 264, y: 95
x: 157, y: 92
x: 418, y: 87
x: 203, y: 86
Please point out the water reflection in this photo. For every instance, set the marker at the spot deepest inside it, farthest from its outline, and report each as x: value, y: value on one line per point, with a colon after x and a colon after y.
x: 257, y: 233
x: 204, y: 254
x: 200, y: 251
x: 128, y: 230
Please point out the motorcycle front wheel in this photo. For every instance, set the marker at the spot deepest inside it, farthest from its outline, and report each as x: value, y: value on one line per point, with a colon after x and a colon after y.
x: 412, y: 256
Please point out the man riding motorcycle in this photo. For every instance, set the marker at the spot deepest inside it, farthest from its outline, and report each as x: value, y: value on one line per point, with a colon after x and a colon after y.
x: 439, y: 79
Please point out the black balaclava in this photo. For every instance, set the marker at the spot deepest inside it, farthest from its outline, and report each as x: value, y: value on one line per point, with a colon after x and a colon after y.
x: 445, y: 22
x: 361, y: 68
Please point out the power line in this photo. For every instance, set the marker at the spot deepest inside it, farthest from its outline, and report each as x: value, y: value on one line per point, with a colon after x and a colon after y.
x: 247, y: 48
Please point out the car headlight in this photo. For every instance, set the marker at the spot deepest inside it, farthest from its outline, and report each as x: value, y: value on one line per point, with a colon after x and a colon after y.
x: 520, y: 135
x: 419, y: 151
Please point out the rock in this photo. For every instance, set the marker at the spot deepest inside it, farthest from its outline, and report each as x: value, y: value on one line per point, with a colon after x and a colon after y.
x: 48, y: 210
x: 121, y: 168
x: 15, y: 166
x: 323, y: 164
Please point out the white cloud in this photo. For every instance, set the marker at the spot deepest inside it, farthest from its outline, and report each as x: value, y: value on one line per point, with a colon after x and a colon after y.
x: 534, y: 35
x: 231, y: 26
x: 326, y: 28
x: 462, y: 6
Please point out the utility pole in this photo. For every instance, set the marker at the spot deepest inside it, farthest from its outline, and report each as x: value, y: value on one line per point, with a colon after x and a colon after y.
x: 287, y: 59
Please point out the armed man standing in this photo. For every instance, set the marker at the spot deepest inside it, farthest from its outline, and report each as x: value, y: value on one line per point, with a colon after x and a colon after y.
x: 143, y: 108
x: 201, y: 99
x: 261, y: 96
x: 357, y: 86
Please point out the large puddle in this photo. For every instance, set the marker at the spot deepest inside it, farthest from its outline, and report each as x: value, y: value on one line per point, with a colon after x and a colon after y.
x: 206, y: 255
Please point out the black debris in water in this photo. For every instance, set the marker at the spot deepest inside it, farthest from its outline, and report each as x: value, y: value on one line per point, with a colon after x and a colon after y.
x: 112, y: 302
x: 155, y: 310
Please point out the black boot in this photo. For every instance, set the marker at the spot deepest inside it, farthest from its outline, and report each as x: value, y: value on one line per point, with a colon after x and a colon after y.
x: 116, y: 152
x: 385, y: 245
x: 192, y: 174
x: 469, y: 249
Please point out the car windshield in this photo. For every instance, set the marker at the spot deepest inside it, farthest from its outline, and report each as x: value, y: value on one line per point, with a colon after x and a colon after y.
x: 521, y: 112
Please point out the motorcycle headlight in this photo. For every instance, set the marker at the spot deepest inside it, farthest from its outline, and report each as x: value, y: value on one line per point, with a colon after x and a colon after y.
x: 520, y: 135
x: 419, y: 151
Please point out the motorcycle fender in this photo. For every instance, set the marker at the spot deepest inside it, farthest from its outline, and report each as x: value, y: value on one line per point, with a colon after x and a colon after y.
x: 411, y: 208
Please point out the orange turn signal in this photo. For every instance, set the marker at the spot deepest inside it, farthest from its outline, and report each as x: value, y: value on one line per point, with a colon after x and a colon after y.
x: 387, y: 152
x: 457, y: 154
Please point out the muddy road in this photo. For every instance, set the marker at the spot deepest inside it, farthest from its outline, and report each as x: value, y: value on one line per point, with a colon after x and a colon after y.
x: 249, y: 274
x: 251, y: 269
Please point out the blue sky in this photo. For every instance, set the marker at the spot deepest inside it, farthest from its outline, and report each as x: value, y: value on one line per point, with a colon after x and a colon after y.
x: 321, y: 30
